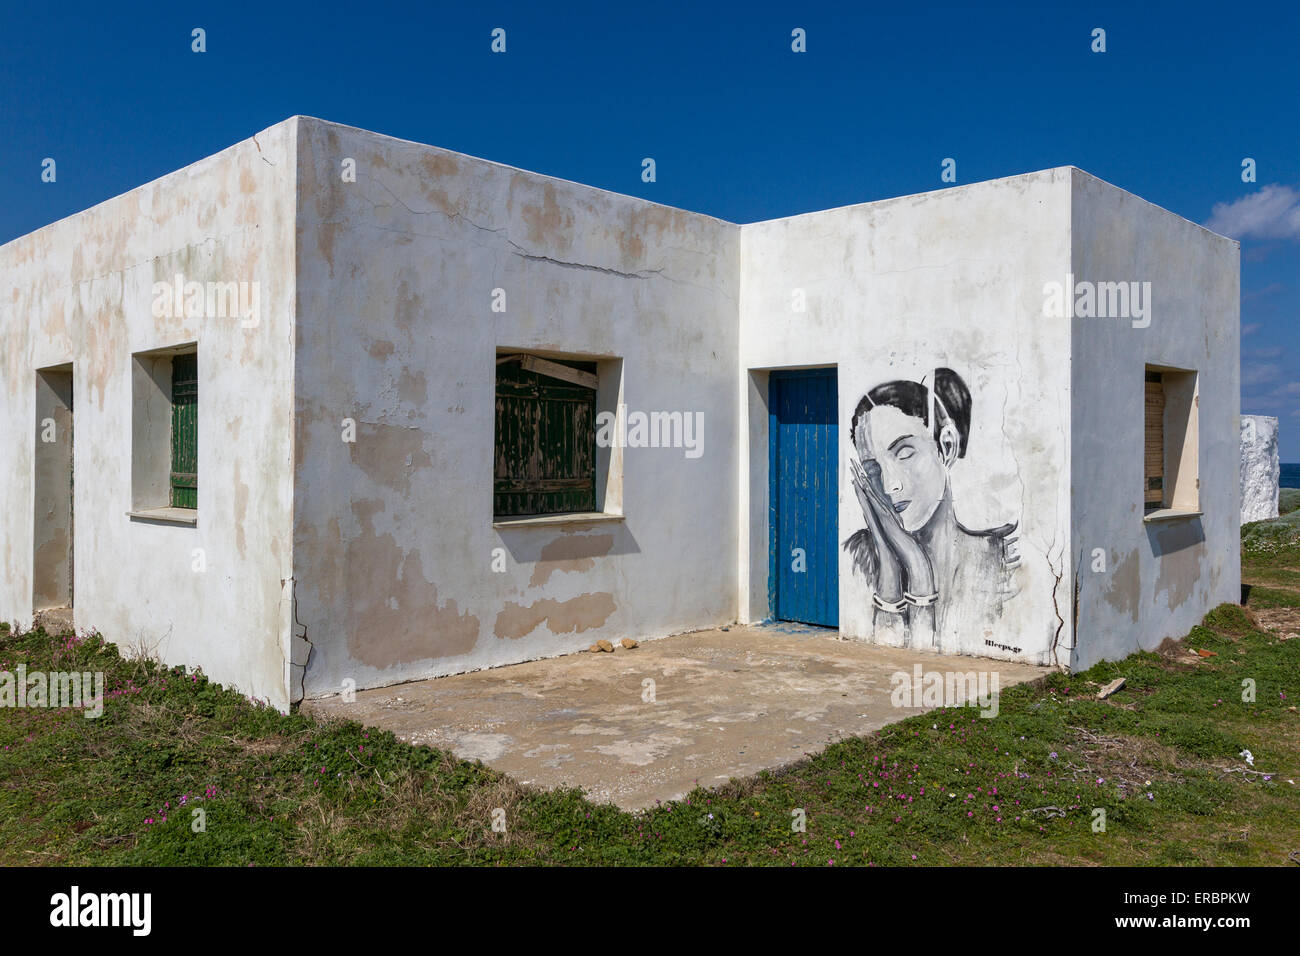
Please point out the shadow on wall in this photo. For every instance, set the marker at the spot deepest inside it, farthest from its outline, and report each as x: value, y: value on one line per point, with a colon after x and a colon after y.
x: 550, y: 555
x: 1181, y: 547
x: 1175, y: 537
x: 577, y: 550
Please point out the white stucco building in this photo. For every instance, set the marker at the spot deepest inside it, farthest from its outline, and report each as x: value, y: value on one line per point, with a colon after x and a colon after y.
x: 333, y: 406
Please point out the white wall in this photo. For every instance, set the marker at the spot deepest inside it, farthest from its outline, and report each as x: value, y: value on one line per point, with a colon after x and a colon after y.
x: 378, y: 309
x: 394, y: 534
x: 1160, y: 577
x: 81, y: 291
x: 893, y: 290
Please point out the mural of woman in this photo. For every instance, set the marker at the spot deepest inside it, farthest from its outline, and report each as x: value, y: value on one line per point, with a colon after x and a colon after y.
x: 936, y: 583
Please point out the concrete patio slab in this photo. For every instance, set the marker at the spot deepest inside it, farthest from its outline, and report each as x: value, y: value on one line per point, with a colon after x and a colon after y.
x: 726, y: 703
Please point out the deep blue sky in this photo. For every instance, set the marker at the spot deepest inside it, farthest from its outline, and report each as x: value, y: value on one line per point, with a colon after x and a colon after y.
x: 740, y: 127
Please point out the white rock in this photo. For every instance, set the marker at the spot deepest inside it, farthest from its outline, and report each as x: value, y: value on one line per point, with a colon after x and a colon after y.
x: 1110, y: 688
x: 1259, y: 467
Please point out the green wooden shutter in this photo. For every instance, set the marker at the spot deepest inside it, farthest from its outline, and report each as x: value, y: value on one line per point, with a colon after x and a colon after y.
x: 545, y: 443
x: 185, y: 431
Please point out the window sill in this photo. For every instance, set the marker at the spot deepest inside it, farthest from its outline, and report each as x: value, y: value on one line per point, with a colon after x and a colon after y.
x: 1170, y: 514
x: 181, y: 516
x: 525, y: 521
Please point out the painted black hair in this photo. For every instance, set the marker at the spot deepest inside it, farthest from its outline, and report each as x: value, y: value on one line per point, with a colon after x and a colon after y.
x: 952, y: 404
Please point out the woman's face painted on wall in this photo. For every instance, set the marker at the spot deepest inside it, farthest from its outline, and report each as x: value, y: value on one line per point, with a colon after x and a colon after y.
x: 912, y: 469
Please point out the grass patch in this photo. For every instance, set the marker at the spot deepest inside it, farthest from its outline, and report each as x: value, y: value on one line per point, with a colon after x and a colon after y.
x: 1262, y: 597
x: 1275, y: 543
x: 1160, y: 758
x: 1288, y: 500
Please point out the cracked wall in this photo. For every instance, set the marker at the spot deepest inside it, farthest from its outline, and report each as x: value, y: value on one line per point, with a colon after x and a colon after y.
x: 894, y: 290
x: 376, y: 559
x: 1160, y: 577
x: 81, y: 291
x: 395, y: 544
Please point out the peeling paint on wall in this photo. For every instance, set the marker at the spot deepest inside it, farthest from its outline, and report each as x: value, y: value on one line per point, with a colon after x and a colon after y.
x: 394, y: 613
x: 575, y: 615
x: 389, y: 454
x: 80, y: 291
x: 1181, y: 552
x: 378, y: 309
x: 1123, y: 590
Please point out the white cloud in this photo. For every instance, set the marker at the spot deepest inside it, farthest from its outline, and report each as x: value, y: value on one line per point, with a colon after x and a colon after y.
x: 1271, y: 213
x: 1250, y: 328
x: 1265, y: 352
x: 1273, y: 288
x: 1258, y: 374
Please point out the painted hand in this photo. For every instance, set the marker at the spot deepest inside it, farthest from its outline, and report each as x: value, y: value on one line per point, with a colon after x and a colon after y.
x: 907, y: 551
x: 889, y: 575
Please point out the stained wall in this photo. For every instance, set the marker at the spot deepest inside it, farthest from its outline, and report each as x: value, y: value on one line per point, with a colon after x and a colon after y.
x: 81, y: 292
x: 1141, y: 580
x: 400, y: 571
x: 346, y: 440
x: 893, y: 291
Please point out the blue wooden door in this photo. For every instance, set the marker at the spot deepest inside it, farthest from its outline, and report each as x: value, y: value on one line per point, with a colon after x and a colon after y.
x: 803, y: 494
